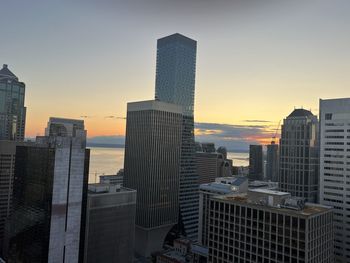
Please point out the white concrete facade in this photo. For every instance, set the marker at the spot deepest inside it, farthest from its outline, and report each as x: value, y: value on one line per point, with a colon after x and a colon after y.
x: 335, y: 169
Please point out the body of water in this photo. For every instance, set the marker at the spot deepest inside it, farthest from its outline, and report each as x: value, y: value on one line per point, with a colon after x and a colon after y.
x: 110, y: 160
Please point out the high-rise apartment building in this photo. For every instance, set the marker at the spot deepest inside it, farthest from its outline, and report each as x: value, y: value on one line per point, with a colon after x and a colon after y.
x: 334, y: 169
x: 152, y: 167
x: 256, y: 162
x: 48, y: 196
x: 269, y: 226
x: 12, y: 110
x: 272, y: 159
x: 110, y: 224
x: 175, y: 83
x: 298, y: 173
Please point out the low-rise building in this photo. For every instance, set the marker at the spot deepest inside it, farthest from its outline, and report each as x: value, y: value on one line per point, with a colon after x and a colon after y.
x: 269, y: 226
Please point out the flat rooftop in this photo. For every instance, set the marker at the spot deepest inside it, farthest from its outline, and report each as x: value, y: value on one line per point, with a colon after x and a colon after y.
x: 104, y: 188
x: 269, y: 192
x: 309, y: 209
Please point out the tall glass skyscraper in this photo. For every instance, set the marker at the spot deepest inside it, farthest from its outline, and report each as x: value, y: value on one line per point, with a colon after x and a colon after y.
x: 12, y: 110
x: 175, y: 83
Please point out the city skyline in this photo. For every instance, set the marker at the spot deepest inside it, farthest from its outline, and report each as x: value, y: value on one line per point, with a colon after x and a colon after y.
x: 243, y: 56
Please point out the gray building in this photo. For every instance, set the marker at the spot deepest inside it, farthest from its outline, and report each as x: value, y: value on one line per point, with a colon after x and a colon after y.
x: 113, y: 178
x: 272, y: 159
x: 223, y: 186
x: 256, y: 162
x: 48, y: 196
x: 298, y: 172
x: 110, y: 224
x: 175, y: 83
x: 12, y: 110
x: 212, y: 164
x: 269, y: 226
x: 334, y: 169
x: 152, y: 167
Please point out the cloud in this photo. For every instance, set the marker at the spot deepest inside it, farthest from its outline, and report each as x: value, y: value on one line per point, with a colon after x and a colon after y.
x: 256, y: 121
x: 234, y: 137
x: 115, y: 117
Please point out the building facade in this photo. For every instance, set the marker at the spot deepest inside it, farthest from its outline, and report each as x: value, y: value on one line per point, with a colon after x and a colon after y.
x: 334, y: 169
x: 223, y: 186
x: 175, y: 83
x: 152, y: 167
x: 272, y: 159
x: 7, y: 168
x: 12, y: 110
x: 48, y: 196
x: 256, y: 162
x: 269, y: 226
x: 299, y: 155
x: 110, y: 224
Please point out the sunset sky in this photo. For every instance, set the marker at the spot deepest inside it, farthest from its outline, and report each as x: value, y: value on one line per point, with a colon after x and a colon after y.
x: 256, y: 60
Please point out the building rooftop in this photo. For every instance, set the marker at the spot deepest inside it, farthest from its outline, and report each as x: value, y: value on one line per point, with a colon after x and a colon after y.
x: 269, y: 192
x: 154, y: 105
x: 6, y: 73
x: 308, y: 210
x: 232, y: 180
x: 103, y: 188
x: 175, y: 38
x: 173, y: 255
x: 300, y: 113
x: 217, y: 187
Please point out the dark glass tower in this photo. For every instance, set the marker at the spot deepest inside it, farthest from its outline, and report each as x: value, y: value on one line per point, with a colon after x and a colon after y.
x: 12, y: 110
x: 299, y: 155
x: 255, y: 162
x: 175, y: 83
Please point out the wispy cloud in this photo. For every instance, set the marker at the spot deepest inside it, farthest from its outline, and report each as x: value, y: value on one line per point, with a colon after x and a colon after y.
x: 257, y: 121
x: 234, y: 136
x: 115, y: 117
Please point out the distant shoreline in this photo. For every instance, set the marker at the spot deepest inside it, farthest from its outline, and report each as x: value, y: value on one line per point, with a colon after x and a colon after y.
x: 107, y: 145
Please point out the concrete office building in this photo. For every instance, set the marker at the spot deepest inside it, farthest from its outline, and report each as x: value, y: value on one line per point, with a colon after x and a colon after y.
x: 211, y: 165
x: 113, y: 178
x: 269, y: 226
x: 110, y: 224
x: 298, y: 173
x: 272, y: 159
x: 175, y: 83
x: 48, y: 196
x: 152, y: 167
x: 256, y: 162
x: 334, y: 169
x: 12, y: 110
x: 223, y: 186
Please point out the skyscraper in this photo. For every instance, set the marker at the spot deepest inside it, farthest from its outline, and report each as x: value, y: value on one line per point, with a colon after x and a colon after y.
x: 152, y: 167
x: 12, y: 110
x: 334, y: 169
x: 272, y: 162
x: 110, y: 228
x: 175, y: 83
x: 255, y: 162
x: 48, y: 195
x: 7, y: 168
x: 298, y: 173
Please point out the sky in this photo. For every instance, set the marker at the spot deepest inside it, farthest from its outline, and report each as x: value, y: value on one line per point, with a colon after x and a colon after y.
x: 256, y: 60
